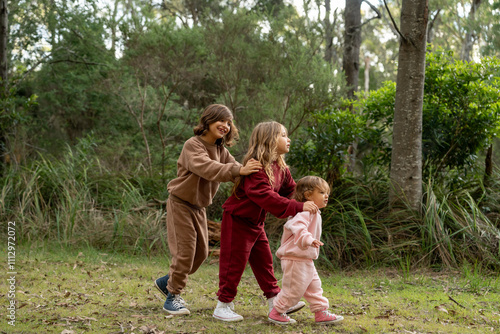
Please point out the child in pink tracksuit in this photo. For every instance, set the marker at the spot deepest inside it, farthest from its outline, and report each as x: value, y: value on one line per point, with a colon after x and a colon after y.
x: 299, y: 247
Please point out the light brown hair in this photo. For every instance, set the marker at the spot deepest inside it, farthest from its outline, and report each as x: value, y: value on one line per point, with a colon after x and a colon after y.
x: 308, y: 184
x: 214, y: 113
x: 263, y: 147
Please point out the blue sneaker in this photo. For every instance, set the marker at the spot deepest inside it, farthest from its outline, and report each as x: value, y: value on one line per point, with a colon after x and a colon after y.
x: 174, y: 305
x: 161, y: 285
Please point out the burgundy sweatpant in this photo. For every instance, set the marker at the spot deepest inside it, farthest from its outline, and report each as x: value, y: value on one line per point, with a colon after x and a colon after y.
x: 242, y: 242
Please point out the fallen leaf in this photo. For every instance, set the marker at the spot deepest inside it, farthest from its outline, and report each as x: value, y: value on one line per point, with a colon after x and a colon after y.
x: 382, y: 317
x: 363, y: 329
x: 485, y: 319
x: 139, y: 316
x: 441, y: 309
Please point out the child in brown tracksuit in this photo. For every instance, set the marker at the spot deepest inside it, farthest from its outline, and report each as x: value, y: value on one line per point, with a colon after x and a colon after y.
x: 203, y: 163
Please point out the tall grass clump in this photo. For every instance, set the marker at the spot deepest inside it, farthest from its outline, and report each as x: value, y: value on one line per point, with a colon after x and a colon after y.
x: 453, y: 227
x: 456, y: 229
x: 75, y: 200
x: 359, y: 228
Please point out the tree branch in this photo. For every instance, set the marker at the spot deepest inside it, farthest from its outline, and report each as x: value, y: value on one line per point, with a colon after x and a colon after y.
x: 430, y: 26
x: 393, y: 22
x: 375, y: 9
x: 453, y: 300
x: 75, y: 62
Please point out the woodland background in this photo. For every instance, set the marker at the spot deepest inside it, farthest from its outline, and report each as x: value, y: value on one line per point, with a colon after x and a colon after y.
x: 98, y: 98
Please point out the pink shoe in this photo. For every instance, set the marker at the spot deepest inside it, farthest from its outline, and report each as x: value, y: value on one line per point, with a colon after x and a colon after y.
x: 325, y: 317
x: 280, y: 319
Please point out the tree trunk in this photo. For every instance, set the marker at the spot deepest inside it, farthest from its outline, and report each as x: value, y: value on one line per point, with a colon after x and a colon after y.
x: 367, y: 74
x: 352, y: 43
x: 328, y: 33
x: 4, y: 34
x: 113, y: 26
x: 488, y: 165
x: 406, y: 158
x: 470, y: 35
x: 350, y: 60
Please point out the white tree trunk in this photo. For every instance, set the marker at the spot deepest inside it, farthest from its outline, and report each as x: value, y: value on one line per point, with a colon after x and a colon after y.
x: 470, y: 36
x: 367, y: 73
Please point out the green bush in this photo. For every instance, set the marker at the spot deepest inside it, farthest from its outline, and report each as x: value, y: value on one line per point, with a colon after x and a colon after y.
x: 461, y: 114
x: 321, y: 148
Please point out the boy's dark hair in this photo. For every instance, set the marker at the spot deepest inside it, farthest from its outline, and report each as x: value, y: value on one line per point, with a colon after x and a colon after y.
x: 308, y: 184
x: 212, y: 114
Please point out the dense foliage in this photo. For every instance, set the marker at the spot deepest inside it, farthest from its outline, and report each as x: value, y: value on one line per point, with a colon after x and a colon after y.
x: 103, y: 96
x: 460, y: 114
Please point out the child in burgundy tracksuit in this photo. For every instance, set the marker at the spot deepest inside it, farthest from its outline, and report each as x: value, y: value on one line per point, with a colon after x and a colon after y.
x: 243, y: 238
x: 299, y: 247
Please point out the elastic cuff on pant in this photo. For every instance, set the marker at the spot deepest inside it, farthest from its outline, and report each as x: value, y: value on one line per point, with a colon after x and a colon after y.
x: 225, y: 300
x: 270, y: 295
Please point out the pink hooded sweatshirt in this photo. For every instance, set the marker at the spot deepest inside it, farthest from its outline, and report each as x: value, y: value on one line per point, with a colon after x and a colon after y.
x: 298, y: 234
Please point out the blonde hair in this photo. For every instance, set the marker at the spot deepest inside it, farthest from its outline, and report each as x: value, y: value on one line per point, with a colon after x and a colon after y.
x: 214, y: 113
x: 309, y: 184
x: 263, y: 147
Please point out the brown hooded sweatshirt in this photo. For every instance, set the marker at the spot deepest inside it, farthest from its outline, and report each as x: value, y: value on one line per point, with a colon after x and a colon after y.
x: 201, y: 168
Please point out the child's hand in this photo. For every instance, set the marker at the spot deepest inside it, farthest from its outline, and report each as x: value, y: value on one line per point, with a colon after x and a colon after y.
x: 317, y: 244
x: 252, y: 166
x: 310, y: 206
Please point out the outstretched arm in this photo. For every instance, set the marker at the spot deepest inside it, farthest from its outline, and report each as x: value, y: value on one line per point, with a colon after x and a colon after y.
x: 200, y: 163
x: 256, y: 186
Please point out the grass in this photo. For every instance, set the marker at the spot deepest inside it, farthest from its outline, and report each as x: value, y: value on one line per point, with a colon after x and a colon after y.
x: 84, y: 290
x: 92, y: 242
x: 76, y: 201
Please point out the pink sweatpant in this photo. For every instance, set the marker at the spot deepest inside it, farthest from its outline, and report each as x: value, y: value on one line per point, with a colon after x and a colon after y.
x: 300, y: 279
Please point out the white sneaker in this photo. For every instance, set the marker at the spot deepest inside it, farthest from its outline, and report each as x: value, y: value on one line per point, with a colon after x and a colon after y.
x: 225, y: 312
x: 270, y: 303
x: 291, y: 310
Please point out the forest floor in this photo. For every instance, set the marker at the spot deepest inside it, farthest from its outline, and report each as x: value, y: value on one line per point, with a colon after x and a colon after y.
x: 82, y: 290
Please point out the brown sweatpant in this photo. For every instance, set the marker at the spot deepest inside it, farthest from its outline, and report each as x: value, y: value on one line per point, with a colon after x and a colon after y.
x: 187, y: 240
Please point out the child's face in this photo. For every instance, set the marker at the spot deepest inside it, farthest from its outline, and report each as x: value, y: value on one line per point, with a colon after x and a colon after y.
x: 283, y: 142
x: 218, y: 130
x: 319, y: 197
